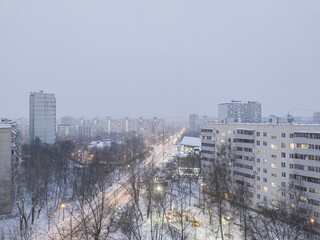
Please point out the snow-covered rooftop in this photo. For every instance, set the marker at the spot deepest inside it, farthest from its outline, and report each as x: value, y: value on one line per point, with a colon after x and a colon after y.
x: 191, y: 141
x: 3, y: 125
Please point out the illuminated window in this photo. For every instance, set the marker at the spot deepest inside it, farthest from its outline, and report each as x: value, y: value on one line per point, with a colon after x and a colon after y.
x: 223, y: 134
x: 291, y: 145
x: 258, y: 151
x: 273, y: 174
x: 274, y: 146
x: 217, y: 139
x: 229, y: 132
x: 304, y: 146
x: 274, y: 156
x: 265, y: 143
x: 265, y: 189
x: 223, y: 141
x: 274, y: 165
x: 273, y: 137
x: 274, y: 184
x: 303, y: 199
x: 265, y: 161
x: 283, y: 145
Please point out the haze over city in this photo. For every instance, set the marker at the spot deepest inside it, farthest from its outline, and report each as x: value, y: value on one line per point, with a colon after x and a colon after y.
x: 161, y: 120
x: 160, y: 58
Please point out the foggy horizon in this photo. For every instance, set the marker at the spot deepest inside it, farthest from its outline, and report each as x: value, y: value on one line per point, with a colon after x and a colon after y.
x: 160, y: 59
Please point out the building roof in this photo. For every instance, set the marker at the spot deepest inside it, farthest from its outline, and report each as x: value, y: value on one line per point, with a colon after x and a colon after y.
x: 191, y: 141
x: 4, y: 125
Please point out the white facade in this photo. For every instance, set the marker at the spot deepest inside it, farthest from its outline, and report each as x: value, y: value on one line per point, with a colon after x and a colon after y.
x: 239, y: 112
x: 5, y: 168
x: 43, y: 117
x: 267, y: 158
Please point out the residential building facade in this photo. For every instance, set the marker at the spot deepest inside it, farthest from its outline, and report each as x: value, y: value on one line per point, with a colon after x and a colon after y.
x: 239, y: 112
x: 267, y: 158
x: 42, y: 117
x: 5, y: 168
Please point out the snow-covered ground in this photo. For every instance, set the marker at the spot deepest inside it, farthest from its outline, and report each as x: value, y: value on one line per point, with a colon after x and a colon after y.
x: 197, y: 224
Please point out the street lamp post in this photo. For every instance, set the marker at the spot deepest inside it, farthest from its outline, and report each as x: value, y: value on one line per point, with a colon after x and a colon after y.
x: 63, y: 206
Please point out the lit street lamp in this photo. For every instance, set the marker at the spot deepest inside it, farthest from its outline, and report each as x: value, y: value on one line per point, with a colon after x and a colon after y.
x: 63, y: 206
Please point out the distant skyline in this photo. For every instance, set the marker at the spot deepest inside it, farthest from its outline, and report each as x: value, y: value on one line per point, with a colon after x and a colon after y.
x: 160, y: 58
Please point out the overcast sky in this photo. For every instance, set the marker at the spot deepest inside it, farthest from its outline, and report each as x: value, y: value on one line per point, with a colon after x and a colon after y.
x: 165, y: 58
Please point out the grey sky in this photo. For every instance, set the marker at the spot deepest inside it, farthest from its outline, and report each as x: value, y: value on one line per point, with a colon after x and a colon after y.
x: 163, y: 58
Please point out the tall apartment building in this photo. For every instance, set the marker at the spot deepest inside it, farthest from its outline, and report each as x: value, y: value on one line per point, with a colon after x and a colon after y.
x: 5, y: 168
x: 239, y: 112
x: 316, y: 117
x: 267, y: 158
x: 193, y: 122
x: 42, y: 117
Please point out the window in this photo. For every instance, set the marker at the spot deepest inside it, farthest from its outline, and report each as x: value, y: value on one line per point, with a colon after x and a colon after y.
x: 283, y: 135
x: 265, y: 143
x: 217, y: 131
x: 258, y: 196
x: 258, y: 169
x: 274, y: 146
x: 258, y: 134
x: 273, y: 174
x: 265, y: 161
x: 258, y: 160
x: 229, y: 132
x: 283, y: 145
x: 265, y: 134
x: 274, y: 165
x: 265, y: 198
x: 283, y: 184
x: 283, y: 154
x: 265, y: 170
x: 258, y: 187
x: 291, y: 165
x: 283, y: 164
x: 283, y: 174
x: 274, y: 156
x: 223, y: 134
x: 265, y: 180
x: 283, y: 194
x: 258, y: 151
x: 291, y: 135
x: 273, y: 137
x: 291, y: 145
x: 265, y: 189
x: 258, y: 142
x: 258, y: 178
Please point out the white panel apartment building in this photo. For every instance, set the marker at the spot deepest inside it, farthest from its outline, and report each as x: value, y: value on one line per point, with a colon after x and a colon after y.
x: 43, y: 117
x: 239, y: 112
x: 5, y: 168
x: 267, y: 157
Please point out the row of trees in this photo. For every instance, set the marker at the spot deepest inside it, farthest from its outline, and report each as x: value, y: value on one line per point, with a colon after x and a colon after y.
x: 49, y: 179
